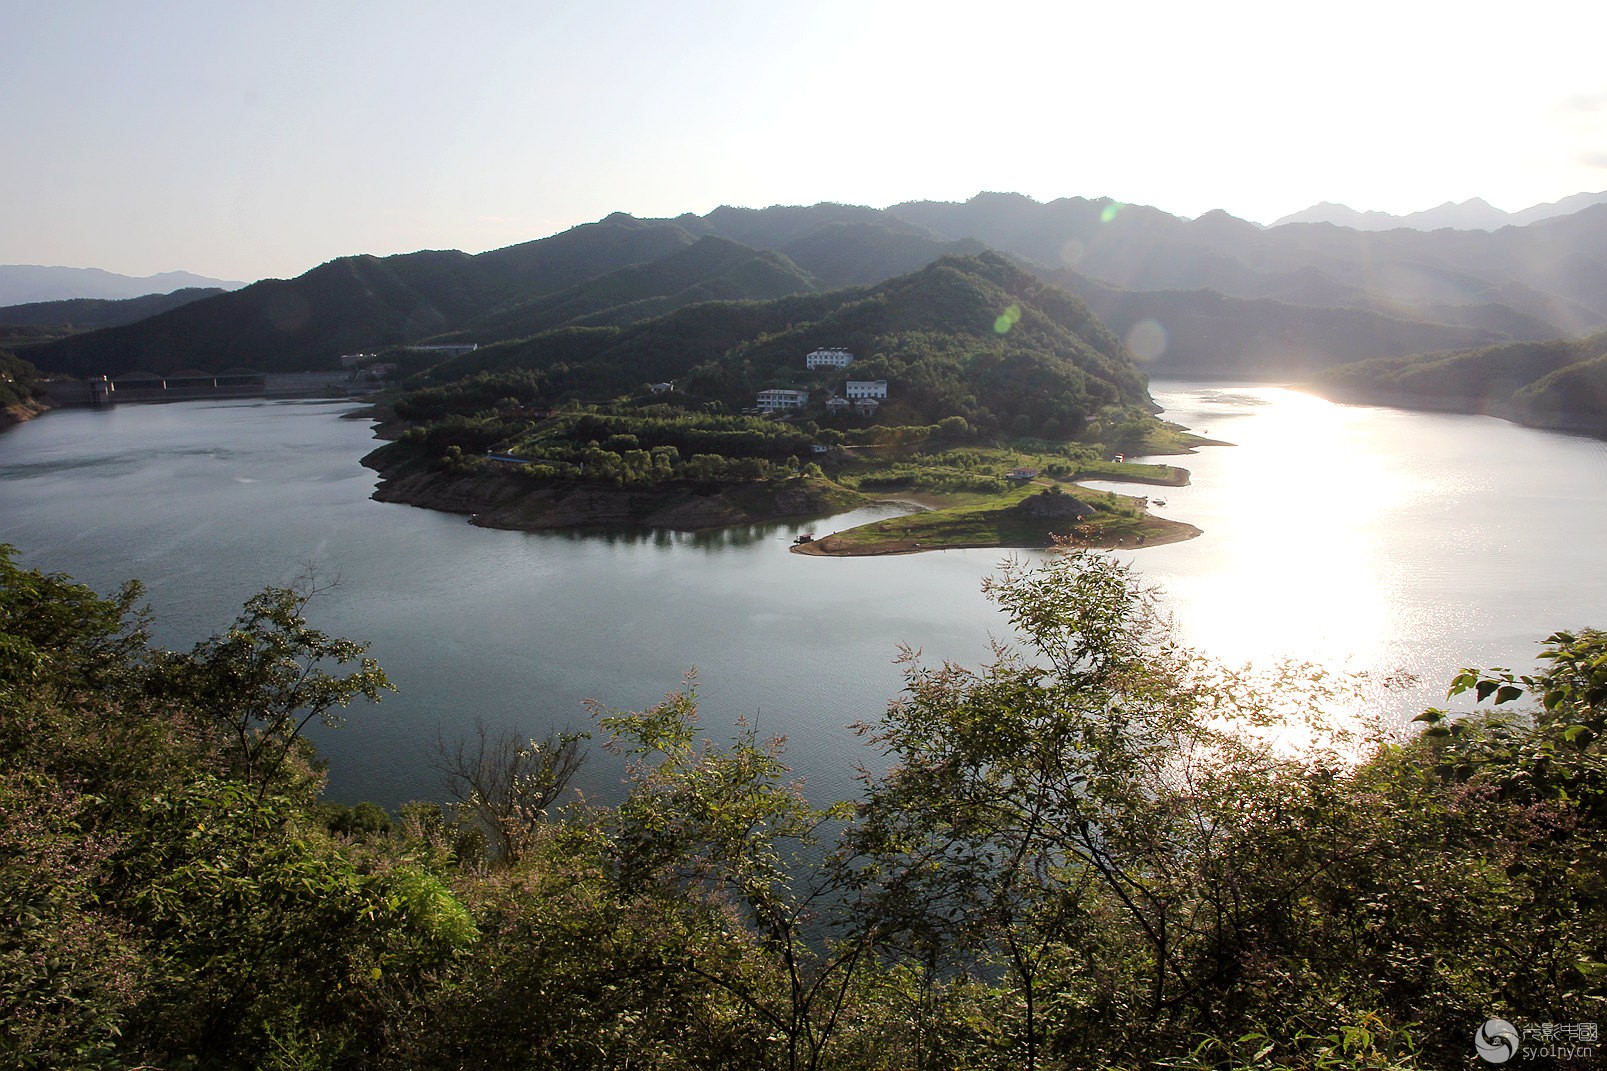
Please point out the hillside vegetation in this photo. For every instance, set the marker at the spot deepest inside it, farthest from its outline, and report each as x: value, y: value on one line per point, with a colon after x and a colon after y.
x: 1557, y: 384
x: 974, y: 337
x: 1096, y: 851
x: 987, y: 371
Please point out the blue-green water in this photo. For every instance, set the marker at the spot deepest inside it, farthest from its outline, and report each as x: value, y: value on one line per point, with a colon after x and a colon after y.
x: 1363, y: 538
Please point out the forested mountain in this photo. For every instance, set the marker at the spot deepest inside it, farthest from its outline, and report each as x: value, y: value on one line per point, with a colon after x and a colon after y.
x: 576, y: 278
x: 975, y: 337
x: 1556, y: 384
x: 1228, y: 296
x: 53, y: 318
x: 711, y: 269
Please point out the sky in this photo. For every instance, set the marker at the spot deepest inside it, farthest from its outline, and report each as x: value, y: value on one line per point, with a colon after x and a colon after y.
x: 259, y: 139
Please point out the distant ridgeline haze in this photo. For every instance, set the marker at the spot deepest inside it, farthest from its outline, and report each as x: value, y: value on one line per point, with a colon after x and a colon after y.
x: 35, y: 283
x: 1210, y: 296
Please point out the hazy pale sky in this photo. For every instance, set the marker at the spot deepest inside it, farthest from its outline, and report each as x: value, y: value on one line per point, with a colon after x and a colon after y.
x: 243, y: 140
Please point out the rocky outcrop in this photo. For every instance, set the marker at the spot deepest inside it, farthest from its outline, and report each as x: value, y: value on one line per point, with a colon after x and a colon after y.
x: 16, y: 414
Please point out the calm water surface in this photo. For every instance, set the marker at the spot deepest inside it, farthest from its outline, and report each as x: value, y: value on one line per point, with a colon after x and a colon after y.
x: 1364, y: 538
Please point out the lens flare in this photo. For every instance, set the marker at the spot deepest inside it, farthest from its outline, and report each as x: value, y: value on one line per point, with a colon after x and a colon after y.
x: 1146, y: 340
x: 1110, y: 212
x: 1007, y: 319
x: 1071, y: 253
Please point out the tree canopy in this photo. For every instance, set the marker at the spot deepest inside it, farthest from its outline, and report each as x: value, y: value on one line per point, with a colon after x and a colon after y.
x: 1098, y: 850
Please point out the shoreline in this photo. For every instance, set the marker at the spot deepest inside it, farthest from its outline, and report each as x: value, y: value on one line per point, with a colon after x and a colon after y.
x: 1171, y: 532
x: 490, y: 497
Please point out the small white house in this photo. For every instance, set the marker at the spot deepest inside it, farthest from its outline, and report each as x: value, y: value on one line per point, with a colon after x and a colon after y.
x: 661, y: 388
x: 778, y: 398
x: 866, y: 388
x: 832, y: 358
x: 836, y: 405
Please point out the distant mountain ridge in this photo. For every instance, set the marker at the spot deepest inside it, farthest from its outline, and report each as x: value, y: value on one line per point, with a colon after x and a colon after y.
x: 30, y: 283
x: 616, y: 270
x: 1228, y: 297
x: 1474, y: 214
x: 88, y: 314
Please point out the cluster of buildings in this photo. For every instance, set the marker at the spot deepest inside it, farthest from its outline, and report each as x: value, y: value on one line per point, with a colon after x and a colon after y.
x: 861, y: 395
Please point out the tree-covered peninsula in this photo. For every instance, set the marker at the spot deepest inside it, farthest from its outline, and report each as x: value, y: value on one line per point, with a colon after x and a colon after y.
x: 969, y: 383
x: 1097, y: 851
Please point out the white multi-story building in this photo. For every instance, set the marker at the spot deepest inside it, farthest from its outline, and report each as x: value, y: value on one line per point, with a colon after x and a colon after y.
x: 866, y: 388
x: 778, y: 398
x: 834, y: 358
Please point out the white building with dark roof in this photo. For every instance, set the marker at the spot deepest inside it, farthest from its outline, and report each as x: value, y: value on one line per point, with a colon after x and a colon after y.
x: 866, y: 388
x: 829, y: 358
x: 779, y: 398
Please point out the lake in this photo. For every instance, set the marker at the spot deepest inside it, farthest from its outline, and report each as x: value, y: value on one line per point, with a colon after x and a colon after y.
x: 1363, y: 538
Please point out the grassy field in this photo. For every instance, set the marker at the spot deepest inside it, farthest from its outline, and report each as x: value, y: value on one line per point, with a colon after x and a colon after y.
x: 969, y: 502
x: 996, y: 521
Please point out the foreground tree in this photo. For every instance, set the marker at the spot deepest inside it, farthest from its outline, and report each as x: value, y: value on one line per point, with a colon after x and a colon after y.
x: 1095, y: 818
x: 258, y: 685
x: 504, y: 783
x: 1097, y: 851
x: 158, y: 907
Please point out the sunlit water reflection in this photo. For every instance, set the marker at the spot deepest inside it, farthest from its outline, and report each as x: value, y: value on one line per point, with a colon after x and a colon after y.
x: 1378, y: 539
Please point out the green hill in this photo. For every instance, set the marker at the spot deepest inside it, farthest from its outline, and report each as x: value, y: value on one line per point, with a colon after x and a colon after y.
x: 1559, y: 384
x: 975, y: 337
x: 356, y: 303
x: 89, y: 314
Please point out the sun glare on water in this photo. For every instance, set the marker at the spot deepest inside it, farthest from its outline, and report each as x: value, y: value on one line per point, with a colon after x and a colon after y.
x: 1295, y: 514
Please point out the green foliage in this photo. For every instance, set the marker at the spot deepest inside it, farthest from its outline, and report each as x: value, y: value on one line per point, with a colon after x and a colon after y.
x: 504, y: 784
x: 930, y: 334
x: 158, y: 903
x: 1098, y: 850
x: 1110, y: 825
x: 55, y: 630
x: 259, y: 684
